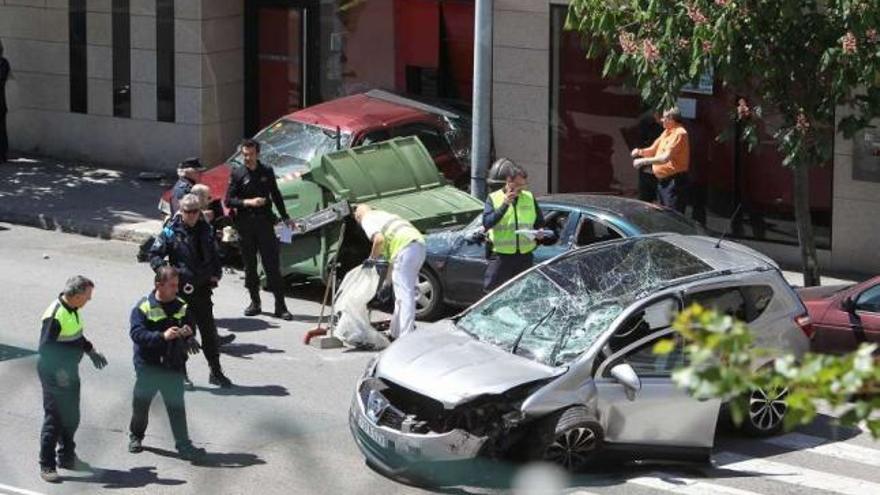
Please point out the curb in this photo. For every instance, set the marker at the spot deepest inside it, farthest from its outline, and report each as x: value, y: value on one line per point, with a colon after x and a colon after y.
x: 134, y: 232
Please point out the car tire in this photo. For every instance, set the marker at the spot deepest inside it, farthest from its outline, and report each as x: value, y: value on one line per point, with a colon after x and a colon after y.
x: 429, y: 305
x: 576, y: 439
x: 765, y: 414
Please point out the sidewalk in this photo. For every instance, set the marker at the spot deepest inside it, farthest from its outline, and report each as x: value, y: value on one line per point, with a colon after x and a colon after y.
x: 116, y: 204
x: 80, y: 198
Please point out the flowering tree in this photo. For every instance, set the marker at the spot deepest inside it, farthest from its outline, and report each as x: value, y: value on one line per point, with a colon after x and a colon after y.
x: 797, y: 59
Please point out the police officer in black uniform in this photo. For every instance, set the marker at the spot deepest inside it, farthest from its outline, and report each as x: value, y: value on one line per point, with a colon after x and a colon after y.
x: 188, y: 243
x: 252, y: 191
x: 161, y: 329
x: 189, y: 172
x: 62, y: 345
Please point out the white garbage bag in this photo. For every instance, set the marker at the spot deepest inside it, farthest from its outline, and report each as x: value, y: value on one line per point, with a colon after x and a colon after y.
x: 353, y: 319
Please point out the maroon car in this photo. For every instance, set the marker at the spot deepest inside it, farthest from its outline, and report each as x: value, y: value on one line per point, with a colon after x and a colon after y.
x: 292, y: 141
x: 843, y: 316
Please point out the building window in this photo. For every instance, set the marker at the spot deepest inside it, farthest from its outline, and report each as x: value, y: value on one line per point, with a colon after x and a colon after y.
x: 121, y: 59
x: 165, y: 60
x: 596, y: 121
x: 78, y: 68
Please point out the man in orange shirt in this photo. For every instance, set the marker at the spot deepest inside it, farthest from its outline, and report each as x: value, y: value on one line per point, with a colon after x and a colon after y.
x: 669, y: 158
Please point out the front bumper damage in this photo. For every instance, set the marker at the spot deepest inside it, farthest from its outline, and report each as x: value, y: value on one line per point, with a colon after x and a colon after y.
x: 384, y: 434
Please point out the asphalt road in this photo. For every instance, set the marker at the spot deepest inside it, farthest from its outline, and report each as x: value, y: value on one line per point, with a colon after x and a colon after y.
x: 284, y: 429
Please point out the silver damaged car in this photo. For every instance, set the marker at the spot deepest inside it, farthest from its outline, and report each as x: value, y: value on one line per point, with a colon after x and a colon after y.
x: 558, y: 363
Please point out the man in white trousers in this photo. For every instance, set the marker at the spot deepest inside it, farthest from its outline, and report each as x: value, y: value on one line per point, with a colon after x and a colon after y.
x: 404, y: 247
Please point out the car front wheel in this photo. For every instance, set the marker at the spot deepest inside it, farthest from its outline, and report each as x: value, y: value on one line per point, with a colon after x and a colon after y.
x: 576, y: 440
x: 429, y: 302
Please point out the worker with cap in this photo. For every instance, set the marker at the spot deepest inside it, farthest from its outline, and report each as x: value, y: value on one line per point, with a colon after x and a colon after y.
x: 403, y: 246
x: 62, y: 345
x: 189, y: 172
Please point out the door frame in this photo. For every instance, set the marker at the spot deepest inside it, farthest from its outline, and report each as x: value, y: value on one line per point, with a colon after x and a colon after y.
x: 311, y: 67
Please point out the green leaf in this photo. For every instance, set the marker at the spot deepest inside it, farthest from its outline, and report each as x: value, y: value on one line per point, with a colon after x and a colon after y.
x: 664, y: 346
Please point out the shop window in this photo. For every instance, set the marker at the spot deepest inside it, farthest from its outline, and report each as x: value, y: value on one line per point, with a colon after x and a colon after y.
x: 595, y: 122
x: 79, y: 82
x: 121, y: 59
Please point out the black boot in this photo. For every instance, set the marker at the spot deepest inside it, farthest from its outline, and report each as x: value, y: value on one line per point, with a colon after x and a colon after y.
x: 281, y: 308
x: 218, y: 378
x: 253, y: 308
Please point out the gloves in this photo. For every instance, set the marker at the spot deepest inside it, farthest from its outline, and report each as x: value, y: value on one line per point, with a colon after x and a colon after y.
x: 192, y: 346
x: 98, y: 359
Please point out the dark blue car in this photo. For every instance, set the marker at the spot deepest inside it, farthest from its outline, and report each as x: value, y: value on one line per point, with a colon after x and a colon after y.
x: 454, y: 268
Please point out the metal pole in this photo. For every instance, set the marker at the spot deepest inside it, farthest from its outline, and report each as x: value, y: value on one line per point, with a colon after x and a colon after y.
x: 482, y: 98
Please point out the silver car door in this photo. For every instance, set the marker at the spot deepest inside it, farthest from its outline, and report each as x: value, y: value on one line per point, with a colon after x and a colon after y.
x: 661, y: 413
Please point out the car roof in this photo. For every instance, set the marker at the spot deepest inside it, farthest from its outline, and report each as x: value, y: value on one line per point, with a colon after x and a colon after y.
x: 721, y: 255
x: 362, y: 111
x: 607, y: 203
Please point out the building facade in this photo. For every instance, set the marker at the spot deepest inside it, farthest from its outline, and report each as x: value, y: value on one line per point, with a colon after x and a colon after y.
x: 144, y: 83
x: 572, y: 129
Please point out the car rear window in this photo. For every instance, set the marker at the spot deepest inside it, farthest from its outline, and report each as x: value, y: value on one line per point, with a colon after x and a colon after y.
x: 652, y: 218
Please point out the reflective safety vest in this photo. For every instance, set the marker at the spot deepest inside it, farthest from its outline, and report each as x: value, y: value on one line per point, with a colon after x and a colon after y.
x: 71, y: 324
x: 156, y: 314
x: 398, y: 234
x: 521, y: 215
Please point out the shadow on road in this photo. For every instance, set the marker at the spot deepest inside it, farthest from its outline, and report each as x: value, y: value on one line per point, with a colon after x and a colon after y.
x: 138, y: 477
x: 248, y: 390
x: 244, y: 324
x: 215, y: 459
x: 246, y: 351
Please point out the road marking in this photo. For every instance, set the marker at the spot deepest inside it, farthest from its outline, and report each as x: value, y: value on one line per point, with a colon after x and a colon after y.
x: 688, y: 486
x: 830, y: 448
x: 21, y: 491
x: 795, y: 475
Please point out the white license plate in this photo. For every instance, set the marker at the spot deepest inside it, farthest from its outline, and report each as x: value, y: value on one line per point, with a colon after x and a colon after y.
x: 371, y: 431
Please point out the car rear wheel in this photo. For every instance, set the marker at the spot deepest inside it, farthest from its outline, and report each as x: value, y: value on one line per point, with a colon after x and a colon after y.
x: 429, y: 302
x: 576, y: 440
x: 766, y: 412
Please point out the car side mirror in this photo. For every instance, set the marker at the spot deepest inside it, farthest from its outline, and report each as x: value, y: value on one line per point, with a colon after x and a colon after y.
x: 848, y: 304
x: 626, y: 375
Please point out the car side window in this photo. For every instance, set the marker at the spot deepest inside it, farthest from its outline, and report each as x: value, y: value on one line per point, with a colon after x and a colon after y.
x: 653, y: 318
x: 869, y: 300
x: 556, y: 220
x: 647, y: 364
x: 728, y: 300
x: 376, y: 136
x: 591, y: 231
x: 757, y: 297
x: 430, y: 136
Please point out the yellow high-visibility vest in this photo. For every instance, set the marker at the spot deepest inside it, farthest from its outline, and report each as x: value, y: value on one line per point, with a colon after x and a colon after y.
x: 71, y: 324
x: 398, y: 234
x: 521, y: 215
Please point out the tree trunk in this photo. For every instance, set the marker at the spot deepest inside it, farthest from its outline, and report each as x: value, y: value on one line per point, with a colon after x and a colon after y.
x: 804, y: 223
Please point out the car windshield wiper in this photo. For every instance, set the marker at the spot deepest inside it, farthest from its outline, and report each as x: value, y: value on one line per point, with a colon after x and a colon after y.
x: 532, y: 328
x: 557, y: 346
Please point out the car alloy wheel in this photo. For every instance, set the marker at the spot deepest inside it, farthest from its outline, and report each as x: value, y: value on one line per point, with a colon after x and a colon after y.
x: 429, y: 302
x: 767, y: 410
x: 573, y: 449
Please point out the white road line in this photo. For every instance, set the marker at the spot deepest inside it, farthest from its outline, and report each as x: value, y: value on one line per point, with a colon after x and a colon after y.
x: 830, y: 448
x: 795, y: 475
x: 13, y: 489
x: 687, y: 486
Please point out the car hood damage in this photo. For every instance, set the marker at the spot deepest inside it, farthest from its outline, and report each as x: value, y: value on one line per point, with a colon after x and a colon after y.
x: 450, y: 367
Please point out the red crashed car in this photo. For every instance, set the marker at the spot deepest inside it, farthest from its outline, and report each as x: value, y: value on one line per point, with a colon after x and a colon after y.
x: 289, y: 143
x: 843, y: 316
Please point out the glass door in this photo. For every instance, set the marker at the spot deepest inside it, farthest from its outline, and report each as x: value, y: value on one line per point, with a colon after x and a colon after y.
x: 281, y: 59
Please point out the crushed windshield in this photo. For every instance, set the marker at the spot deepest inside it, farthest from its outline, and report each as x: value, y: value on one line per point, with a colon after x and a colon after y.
x: 288, y: 146
x: 555, y: 313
